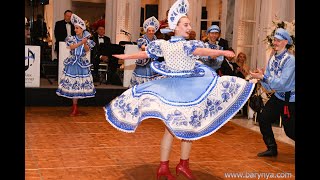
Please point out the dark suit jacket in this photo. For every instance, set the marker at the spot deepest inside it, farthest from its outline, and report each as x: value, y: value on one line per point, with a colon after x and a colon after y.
x: 225, y: 69
x: 223, y: 43
x: 60, y: 32
x: 101, y: 49
x: 39, y: 29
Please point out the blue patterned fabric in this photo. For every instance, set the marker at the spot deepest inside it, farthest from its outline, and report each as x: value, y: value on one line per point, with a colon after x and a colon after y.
x: 142, y: 72
x: 207, y: 60
x: 160, y: 68
x: 191, y: 105
x: 280, y: 75
x: 76, y: 80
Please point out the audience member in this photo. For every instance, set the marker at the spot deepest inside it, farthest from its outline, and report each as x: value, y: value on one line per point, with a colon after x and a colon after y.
x: 63, y: 29
x: 100, y: 51
x: 228, y: 67
x: 242, y: 69
x: 39, y: 31
x: 192, y: 35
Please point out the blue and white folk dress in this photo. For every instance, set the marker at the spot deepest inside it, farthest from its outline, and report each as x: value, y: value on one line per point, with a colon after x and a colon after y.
x: 143, y: 72
x: 192, y: 101
x: 76, y: 80
x: 216, y: 63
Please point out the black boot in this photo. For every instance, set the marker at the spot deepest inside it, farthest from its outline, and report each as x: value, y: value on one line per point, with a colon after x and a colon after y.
x: 272, y: 148
x: 272, y: 151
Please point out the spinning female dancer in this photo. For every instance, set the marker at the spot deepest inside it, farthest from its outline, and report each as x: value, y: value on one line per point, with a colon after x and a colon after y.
x: 192, y: 101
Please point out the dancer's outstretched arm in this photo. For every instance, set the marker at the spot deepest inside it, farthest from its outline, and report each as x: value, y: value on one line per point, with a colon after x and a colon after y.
x: 138, y: 55
x: 213, y: 52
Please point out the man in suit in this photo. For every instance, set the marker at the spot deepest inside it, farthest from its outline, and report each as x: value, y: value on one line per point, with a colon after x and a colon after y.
x: 39, y: 31
x: 228, y: 67
x: 102, y: 52
x: 213, y: 34
x: 63, y: 29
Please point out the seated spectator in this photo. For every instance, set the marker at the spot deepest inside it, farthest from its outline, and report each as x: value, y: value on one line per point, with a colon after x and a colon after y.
x: 228, y: 67
x: 192, y: 35
x: 243, y: 69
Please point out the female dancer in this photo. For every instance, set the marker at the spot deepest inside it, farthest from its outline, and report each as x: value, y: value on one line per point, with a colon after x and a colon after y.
x: 192, y: 101
x: 143, y: 73
x: 76, y: 81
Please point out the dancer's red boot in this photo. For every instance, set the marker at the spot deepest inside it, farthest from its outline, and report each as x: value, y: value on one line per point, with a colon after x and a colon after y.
x: 183, y: 168
x: 163, y: 170
x: 74, y: 110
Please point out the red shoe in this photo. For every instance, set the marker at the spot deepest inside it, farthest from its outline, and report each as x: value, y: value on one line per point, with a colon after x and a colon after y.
x: 183, y: 167
x: 74, y: 110
x: 163, y: 170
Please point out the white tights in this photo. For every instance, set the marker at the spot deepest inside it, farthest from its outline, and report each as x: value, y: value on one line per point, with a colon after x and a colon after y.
x: 166, y: 144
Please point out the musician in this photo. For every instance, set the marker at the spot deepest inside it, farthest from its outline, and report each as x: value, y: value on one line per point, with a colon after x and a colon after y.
x: 102, y: 52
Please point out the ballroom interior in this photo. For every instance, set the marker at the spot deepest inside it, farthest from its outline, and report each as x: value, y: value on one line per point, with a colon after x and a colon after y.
x: 244, y: 23
x: 86, y: 147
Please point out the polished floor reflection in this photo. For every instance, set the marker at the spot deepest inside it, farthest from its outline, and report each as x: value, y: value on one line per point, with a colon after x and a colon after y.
x: 87, y: 147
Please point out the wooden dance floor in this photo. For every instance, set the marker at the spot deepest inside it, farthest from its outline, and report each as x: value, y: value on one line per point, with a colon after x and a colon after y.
x: 87, y: 147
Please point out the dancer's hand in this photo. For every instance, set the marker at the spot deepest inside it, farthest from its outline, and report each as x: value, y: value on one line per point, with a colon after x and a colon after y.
x: 257, y: 74
x: 121, y: 56
x: 228, y: 53
x: 84, y: 40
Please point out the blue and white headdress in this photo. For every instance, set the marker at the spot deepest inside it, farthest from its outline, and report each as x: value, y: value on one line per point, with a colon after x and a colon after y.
x: 151, y: 22
x: 76, y: 20
x: 178, y: 9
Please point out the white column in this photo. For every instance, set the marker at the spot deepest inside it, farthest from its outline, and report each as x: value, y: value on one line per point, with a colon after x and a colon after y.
x: 59, y: 7
x: 134, y: 14
x: 111, y: 20
x: 127, y: 18
x: 164, y: 6
x: 223, y: 18
x: 194, y: 15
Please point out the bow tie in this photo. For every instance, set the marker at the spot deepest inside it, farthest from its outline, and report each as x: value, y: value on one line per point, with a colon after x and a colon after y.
x: 101, y: 37
x: 67, y: 22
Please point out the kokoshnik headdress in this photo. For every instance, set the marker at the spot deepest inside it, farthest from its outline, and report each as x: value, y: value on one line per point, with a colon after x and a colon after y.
x: 151, y: 22
x: 76, y: 20
x: 178, y: 9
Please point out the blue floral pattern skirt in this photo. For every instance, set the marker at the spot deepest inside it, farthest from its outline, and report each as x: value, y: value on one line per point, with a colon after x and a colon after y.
x: 76, y: 80
x: 143, y: 73
x: 191, y: 107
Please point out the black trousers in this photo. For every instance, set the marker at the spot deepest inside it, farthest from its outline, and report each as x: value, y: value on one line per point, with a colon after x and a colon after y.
x: 271, y: 113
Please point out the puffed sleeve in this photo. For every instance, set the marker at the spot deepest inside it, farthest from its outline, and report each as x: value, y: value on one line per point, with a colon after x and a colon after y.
x: 190, y: 46
x: 70, y: 40
x: 91, y: 43
x: 141, y: 41
x: 153, y: 49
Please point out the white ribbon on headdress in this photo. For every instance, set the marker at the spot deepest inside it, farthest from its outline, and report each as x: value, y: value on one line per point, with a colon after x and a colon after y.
x: 166, y: 30
x: 178, y: 9
x: 76, y: 20
x: 151, y: 22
